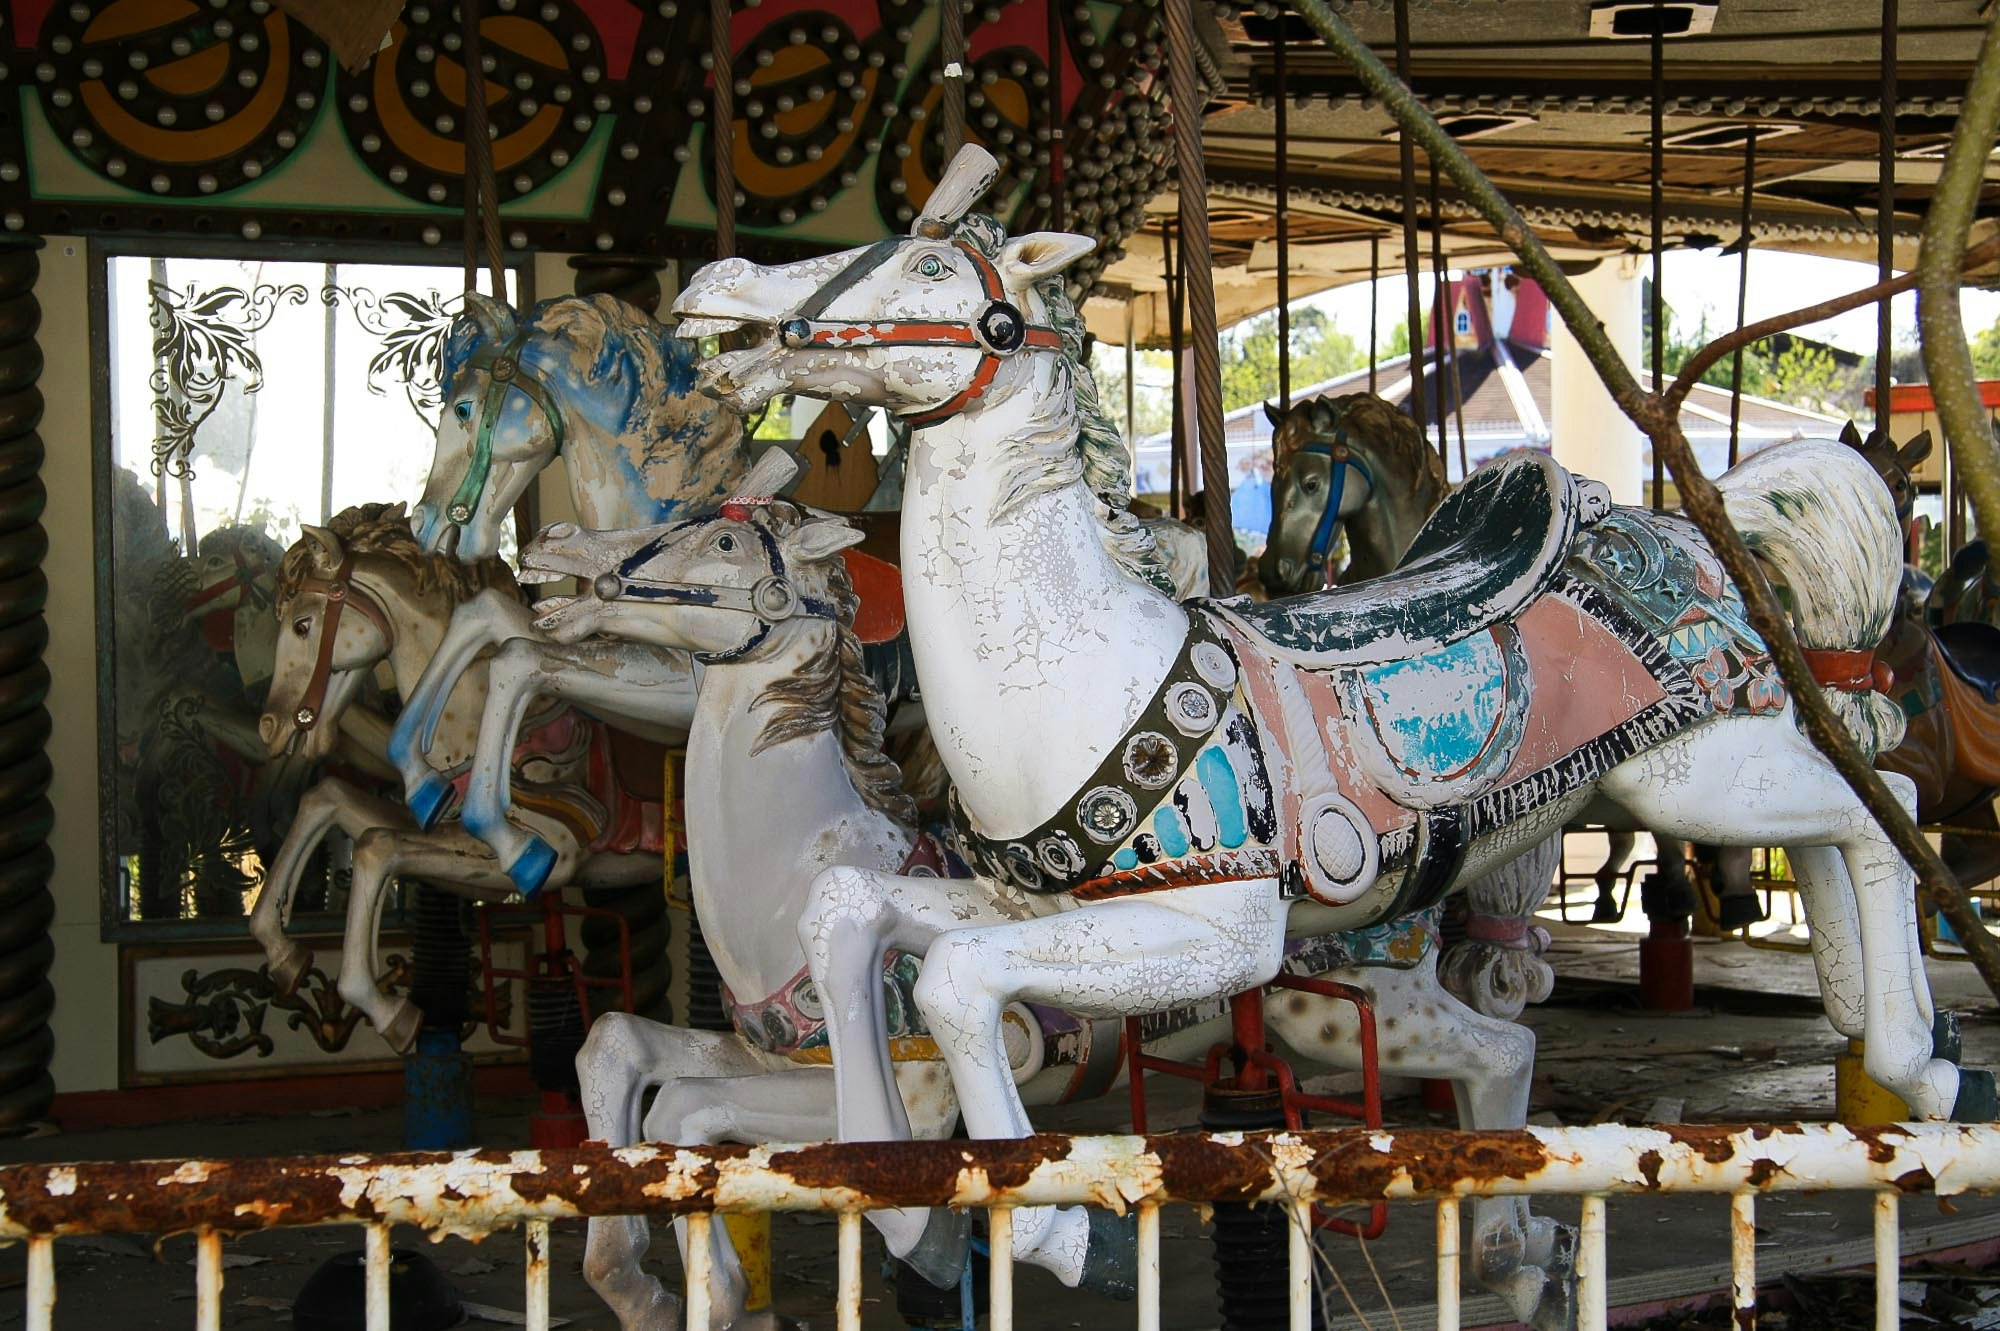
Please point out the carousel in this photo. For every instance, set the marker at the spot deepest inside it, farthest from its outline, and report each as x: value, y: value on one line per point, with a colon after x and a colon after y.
x: 607, y: 650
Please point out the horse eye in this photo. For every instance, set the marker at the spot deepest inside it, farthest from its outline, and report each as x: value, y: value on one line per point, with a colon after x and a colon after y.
x: 726, y: 543
x: 1310, y: 485
x: 930, y: 266
x: 302, y: 626
x: 463, y: 411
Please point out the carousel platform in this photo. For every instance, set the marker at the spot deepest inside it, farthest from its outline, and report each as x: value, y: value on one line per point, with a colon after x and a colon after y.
x: 1755, y: 1047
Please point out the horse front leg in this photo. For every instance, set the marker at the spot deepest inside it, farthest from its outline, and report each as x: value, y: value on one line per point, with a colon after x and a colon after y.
x: 448, y: 858
x: 1118, y: 958
x: 486, y: 619
x: 850, y: 920
x: 615, y: 682
x: 328, y: 804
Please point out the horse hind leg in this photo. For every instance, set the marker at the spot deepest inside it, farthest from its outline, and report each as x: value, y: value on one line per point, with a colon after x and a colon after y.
x: 1733, y: 786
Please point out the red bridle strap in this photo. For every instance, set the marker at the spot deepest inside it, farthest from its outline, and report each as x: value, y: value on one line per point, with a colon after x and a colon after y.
x: 340, y: 592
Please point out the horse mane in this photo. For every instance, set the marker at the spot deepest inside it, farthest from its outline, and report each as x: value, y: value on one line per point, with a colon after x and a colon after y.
x: 603, y: 342
x: 244, y: 539
x: 1070, y: 436
x: 384, y: 530
x: 834, y: 691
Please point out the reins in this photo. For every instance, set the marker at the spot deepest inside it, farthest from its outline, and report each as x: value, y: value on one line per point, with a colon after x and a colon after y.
x: 1341, y: 457
x: 340, y: 592
x: 505, y: 374
x: 1000, y: 330
x: 772, y: 599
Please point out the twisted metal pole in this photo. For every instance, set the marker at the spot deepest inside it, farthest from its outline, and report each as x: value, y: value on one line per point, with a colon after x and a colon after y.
x: 1885, y: 212
x: 952, y: 42
x: 722, y: 126
x: 1198, y: 278
x: 480, y: 181
x: 1742, y: 297
x: 1406, y: 157
x: 1699, y: 496
x: 1281, y: 181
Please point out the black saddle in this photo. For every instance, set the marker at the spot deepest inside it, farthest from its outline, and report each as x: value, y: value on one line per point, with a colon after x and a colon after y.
x: 1972, y: 651
x: 1491, y: 548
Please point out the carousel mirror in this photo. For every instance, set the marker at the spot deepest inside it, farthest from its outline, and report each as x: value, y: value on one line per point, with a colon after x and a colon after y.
x: 239, y: 400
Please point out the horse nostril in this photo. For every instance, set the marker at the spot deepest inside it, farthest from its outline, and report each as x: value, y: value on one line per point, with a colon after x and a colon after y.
x: 562, y: 531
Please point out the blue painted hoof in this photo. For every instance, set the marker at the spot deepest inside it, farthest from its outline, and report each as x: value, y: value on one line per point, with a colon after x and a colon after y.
x: 428, y: 800
x: 530, y: 871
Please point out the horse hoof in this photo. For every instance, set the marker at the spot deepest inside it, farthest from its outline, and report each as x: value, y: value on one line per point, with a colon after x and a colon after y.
x: 1946, y: 1042
x: 940, y: 1253
x: 428, y: 800
x: 1734, y: 912
x: 290, y: 970
x: 1978, y: 1097
x: 530, y: 870
x: 1111, y: 1260
x: 1606, y: 911
x: 400, y: 1031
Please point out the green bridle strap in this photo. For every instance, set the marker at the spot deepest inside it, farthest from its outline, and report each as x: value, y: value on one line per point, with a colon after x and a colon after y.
x: 504, y: 373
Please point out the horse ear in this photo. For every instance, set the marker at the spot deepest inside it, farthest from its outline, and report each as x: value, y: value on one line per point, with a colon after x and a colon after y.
x: 811, y: 542
x: 1850, y: 434
x: 494, y: 318
x: 1273, y: 415
x: 1026, y: 260
x: 325, y: 547
x: 1915, y: 451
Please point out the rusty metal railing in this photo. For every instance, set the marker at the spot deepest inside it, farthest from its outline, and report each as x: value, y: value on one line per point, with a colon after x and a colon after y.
x: 477, y: 1193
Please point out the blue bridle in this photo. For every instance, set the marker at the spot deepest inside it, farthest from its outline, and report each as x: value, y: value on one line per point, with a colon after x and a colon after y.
x: 1341, y: 458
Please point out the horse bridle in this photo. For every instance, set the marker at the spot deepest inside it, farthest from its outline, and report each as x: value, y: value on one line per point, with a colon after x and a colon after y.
x: 340, y: 592
x: 1000, y: 331
x: 505, y: 374
x: 772, y: 599
x: 243, y: 579
x: 1342, y: 458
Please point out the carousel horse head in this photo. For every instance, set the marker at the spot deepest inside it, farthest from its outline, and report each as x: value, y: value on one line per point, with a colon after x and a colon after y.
x: 346, y: 592
x: 234, y: 567
x: 1332, y: 457
x: 921, y: 324
x: 1895, y: 465
x: 578, y: 373
x: 720, y: 584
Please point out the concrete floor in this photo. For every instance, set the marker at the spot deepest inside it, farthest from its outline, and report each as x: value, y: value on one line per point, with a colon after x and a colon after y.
x: 1755, y: 1048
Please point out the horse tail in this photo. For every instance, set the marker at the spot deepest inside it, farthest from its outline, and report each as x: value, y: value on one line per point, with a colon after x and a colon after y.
x: 1825, y: 526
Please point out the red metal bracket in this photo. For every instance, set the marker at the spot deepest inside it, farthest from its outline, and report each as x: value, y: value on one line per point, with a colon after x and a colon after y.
x: 554, y: 960
x: 1254, y: 1062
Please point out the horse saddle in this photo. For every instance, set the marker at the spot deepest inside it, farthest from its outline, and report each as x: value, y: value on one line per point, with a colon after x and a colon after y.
x: 1491, y: 548
x: 1971, y: 650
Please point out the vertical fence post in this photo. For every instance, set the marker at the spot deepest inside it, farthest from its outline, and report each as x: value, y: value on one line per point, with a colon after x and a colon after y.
x: 697, y: 1266
x: 375, y: 1279
x: 1888, y: 1264
x: 41, y: 1284
x: 1447, y: 1264
x: 536, y: 1287
x: 1592, y: 1303
x: 1299, y: 1267
x: 208, y: 1280
x: 1000, y: 1268
x: 848, y: 1311
x: 1149, y: 1267
x: 1743, y: 1259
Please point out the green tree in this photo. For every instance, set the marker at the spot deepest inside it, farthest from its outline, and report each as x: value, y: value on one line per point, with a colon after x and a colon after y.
x: 1250, y: 355
x: 1986, y: 353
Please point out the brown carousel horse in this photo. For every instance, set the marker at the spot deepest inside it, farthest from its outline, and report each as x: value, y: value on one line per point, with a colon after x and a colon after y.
x: 1947, y: 680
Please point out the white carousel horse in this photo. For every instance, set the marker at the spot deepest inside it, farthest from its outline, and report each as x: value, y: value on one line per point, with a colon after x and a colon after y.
x: 602, y: 385
x: 1308, y: 765
x: 787, y: 744
x: 351, y: 596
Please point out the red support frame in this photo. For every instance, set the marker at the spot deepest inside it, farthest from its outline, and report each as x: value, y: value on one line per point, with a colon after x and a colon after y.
x: 1255, y: 1067
x: 554, y: 960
